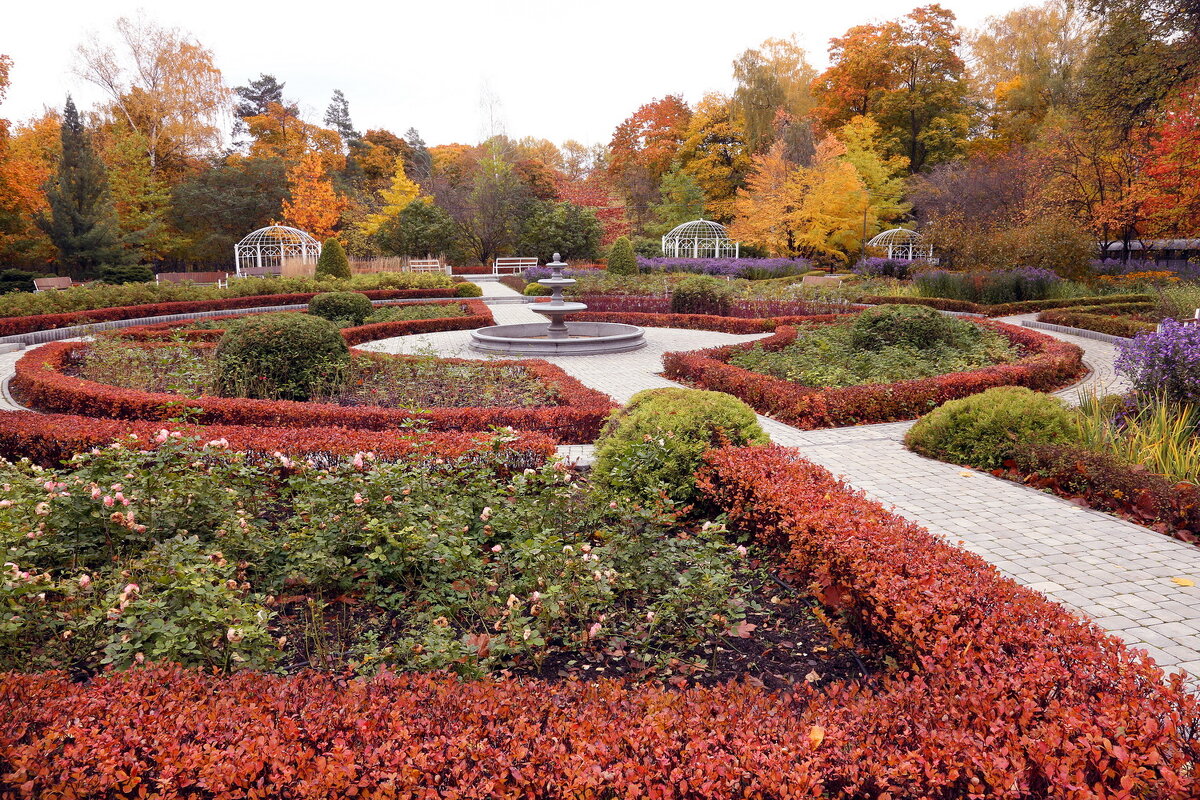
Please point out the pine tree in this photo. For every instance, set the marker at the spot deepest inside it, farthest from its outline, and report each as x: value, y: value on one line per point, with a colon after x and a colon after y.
x: 621, y: 260
x: 82, y: 222
x: 333, y: 262
x: 337, y: 117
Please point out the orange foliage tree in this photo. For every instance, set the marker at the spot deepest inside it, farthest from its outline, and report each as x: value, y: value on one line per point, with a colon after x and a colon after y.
x: 642, y: 149
x: 1172, y: 172
x: 314, y: 206
x: 27, y: 158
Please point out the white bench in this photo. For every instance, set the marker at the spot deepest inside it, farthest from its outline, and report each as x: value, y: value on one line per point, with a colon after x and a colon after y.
x: 513, y: 264
x: 51, y: 284
x: 426, y: 265
x: 218, y: 279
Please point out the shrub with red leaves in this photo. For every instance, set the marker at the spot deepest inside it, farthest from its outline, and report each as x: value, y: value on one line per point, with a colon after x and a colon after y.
x: 1001, y: 693
x: 1048, y: 364
x: 50, y: 439
x: 41, y: 384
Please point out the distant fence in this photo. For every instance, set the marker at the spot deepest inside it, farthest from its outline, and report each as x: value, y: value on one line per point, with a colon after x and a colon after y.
x: 302, y: 268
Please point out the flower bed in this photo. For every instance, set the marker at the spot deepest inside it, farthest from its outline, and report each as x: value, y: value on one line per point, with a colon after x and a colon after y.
x: 41, y: 383
x: 1049, y: 364
x: 49, y: 439
x: 11, y: 326
x: 1000, y: 692
x: 477, y: 315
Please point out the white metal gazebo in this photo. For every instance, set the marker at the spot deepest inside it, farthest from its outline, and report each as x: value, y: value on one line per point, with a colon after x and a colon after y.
x: 270, y: 246
x: 902, y: 243
x: 700, y: 238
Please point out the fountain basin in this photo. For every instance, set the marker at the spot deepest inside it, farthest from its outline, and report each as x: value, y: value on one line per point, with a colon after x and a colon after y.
x: 582, y: 339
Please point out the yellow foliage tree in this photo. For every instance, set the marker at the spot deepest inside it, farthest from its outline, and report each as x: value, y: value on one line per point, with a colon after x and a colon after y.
x: 882, y: 175
x: 395, y: 199
x: 28, y: 155
x: 314, y: 206
x: 715, y: 154
x: 763, y: 210
x: 280, y: 134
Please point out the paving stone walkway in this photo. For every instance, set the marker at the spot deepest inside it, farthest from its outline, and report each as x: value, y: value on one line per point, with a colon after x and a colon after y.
x: 1113, y: 571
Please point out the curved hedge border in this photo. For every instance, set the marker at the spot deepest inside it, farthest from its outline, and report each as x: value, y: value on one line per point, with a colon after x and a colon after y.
x: 478, y: 315
x: 12, y: 326
x: 1000, y: 693
x: 1050, y: 364
x: 702, y: 322
x: 41, y: 384
x: 49, y: 439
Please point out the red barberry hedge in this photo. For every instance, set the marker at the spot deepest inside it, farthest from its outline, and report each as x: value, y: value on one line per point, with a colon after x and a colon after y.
x: 999, y: 693
x: 478, y: 315
x: 1048, y: 364
x: 1008, y: 309
x: 41, y: 384
x: 10, y: 326
x: 49, y: 439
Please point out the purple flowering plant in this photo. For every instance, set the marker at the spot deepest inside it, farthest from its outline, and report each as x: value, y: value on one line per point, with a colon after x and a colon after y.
x: 1165, y: 363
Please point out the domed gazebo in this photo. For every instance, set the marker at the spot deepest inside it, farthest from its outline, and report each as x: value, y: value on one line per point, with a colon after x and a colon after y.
x: 700, y: 238
x: 902, y: 243
x: 270, y: 246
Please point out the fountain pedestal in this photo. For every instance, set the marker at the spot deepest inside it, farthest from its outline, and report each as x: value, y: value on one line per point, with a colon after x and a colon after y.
x: 559, y: 337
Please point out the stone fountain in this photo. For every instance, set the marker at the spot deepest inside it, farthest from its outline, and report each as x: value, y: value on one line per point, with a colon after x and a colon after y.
x: 559, y: 337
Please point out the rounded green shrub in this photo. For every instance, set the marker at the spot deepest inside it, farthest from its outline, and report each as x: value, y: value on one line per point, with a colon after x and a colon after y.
x: 281, y: 356
x: 983, y: 430
x: 913, y: 326
x: 125, y: 273
x: 655, y: 444
x: 468, y: 289
x: 621, y: 258
x: 702, y: 294
x: 333, y: 262
x: 341, y: 307
x: 536, y: 290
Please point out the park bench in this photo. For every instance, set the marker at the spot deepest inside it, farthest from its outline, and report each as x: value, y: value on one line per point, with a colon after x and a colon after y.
x: 260, y: 272
x: 218, y: 279
x: 513, y: 264
x: 425, y: 265
x: 51, y: 284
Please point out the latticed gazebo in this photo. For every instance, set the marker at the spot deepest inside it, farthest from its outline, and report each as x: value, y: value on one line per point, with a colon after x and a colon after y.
x: 271, y: 246
x: 901, y: 243
x: 700, y: 238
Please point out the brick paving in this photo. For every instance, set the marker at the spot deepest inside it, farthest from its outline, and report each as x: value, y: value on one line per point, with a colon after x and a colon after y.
x: 1117, y: 573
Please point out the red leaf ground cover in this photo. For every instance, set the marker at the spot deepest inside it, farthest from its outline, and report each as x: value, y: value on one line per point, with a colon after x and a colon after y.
x: 1101, y: 323
x: 1001, y: 693
x: 41, y: 384
x: 10, y: 326
x: 1048, y: 364
x: 49, y: 439
x: 478, y: 315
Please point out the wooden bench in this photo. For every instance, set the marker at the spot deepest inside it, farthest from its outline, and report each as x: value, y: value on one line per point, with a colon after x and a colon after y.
x: 513, y: 264
x: 51, y: 284
x: 260, y: 272
x: 426, y: 265
x: 218, y: 279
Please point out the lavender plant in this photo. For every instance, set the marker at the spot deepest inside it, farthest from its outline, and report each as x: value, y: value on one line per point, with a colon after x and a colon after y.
x: 1165, y: 363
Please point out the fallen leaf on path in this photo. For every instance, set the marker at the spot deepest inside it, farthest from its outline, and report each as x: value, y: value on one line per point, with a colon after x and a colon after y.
x: 1184, y: 581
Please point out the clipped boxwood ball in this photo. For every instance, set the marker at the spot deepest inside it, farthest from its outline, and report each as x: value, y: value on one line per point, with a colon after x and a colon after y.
x: 348, y: 307
x: 281, y: 356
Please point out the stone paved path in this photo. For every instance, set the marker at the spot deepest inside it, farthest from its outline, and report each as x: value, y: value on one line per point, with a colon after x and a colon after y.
x: 1118, y: 573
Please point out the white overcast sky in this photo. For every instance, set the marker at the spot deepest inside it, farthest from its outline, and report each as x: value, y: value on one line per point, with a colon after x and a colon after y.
x: 560, y: 70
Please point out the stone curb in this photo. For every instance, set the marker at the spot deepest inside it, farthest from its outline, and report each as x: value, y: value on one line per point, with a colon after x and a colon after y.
x: 1083, y: 333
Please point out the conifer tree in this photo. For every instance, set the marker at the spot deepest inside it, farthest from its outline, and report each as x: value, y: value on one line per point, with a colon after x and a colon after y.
x: 82, y: 222
x: 621, y: 259
x: 333, y: 262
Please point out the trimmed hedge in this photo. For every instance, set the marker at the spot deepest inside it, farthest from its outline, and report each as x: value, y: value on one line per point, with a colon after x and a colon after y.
x: 478, y: 315
x: 1050, y: 364
x: 1000, y: 693
x: 1008, y: 309
x: 11, y: 326
x: 49, y: 439
x: 40, y: 382
x: 702, y: 322
x: 1114, y: 326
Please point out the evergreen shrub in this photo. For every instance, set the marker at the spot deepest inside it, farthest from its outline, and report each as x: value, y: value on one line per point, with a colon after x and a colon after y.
x: 280, y: 356
x: 351, y: 308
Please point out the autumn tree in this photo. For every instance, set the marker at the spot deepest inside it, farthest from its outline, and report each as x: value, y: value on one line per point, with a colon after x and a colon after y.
x: 312, y: 205
x: 494, y: 208
x: 642, y: 149
x: 80, y: 221
x: 882, y: 175
x: 682, y: 200
x: 1172, y: 170
x: 164, y: 85
x: 28, y: 154
x: 596, y: 192
x: 141, y: 198
x: 392, y: 200
x: 774, y: 76
x: 715, y: 153
x: 279, y: 133
x: 907, y: 75
x: 1025, y: 63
